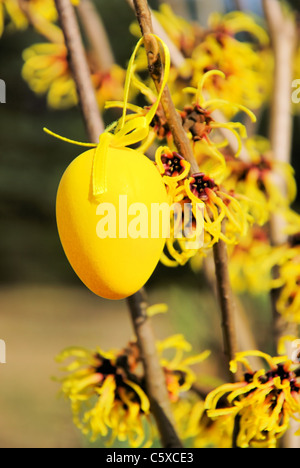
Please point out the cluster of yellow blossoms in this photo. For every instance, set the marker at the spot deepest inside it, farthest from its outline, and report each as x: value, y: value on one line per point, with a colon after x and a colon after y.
x: 238, y: 196
x: 261, y: 405
x: 236, y: 193
x: 218, y: 48
x: 12, y: 14
x: 109, y: 398
x: 47, y: 72
x: 254, y: 258
x: 46, y: 68
x: 108, y: 394
x: 238, y: 187
x: 224, y: 216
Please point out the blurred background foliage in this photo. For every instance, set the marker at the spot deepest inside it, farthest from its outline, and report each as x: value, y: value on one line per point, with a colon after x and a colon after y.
x: 43, y: 306
x: 31, y: 167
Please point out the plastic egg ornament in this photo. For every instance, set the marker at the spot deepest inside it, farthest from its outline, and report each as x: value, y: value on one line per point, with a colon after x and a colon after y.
x: 100, y: 235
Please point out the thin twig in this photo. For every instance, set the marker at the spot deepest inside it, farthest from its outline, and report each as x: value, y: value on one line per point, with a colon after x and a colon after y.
x: 283, y: 31
x: 245, y: 337
x: 282, y: 28
x: 96, y: 35
x: 176, y: 56
x: 156, y: 71
x: 155, y: 378
x: 283, y: 35
x: 184, y: 147
x: 178, y: 61
x: 227, y: 304
x: 80, y: 70
x: 156, y: 383
x: 238, y: 4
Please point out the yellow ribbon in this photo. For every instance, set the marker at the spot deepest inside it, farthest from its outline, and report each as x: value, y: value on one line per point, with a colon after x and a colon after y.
x: 127, y: 133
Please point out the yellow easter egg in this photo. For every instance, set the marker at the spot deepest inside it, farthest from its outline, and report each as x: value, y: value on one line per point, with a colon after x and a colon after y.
x: 109, y: 240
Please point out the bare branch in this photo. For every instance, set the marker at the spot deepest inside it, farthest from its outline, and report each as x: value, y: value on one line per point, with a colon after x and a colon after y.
x: 156, y: 383
x: 238, y: 5
x: 227, y: 304
x: 183, y: 145
x: 283, y: 31
x: 80, y: 69
x: 96, y: 34
x: 155, y: 378
x: 156, y: 70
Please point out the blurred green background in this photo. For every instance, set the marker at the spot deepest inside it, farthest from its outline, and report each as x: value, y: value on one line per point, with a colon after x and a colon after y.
x: 43, y: 306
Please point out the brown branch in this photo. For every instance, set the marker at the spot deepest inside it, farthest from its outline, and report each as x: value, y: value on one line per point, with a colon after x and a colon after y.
x: 176, y: 56
x: 96, y: 35
x: 156, y: 71
x: 184, y: 147
x: 283, y: 31
x: 245, y: 338
x: 80, y: 69
x: 178, y: 61
x: 155, y: 377
x: 283, y: 36
x: 225, y: 294
x: 227, y: 304
x: 156, y: 383
x: 238, y: 5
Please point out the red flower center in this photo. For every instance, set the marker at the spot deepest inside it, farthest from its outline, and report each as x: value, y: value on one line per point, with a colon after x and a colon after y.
x: 173, y: 164
x: 201, y: 184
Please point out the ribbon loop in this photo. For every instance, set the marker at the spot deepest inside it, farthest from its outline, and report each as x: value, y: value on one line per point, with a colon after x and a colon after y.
x: 127, y: 133
x: 133, y: 132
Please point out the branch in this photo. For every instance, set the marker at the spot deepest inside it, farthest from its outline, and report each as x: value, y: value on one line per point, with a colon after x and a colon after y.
x: 238, y: 4
x: 156, y: 71
x: 156, y: 383
x: 96, y: 35
x: 178, y: 61
x: 284, y: 37
x: 155, y: 378
x: 282, y: 28
x: 80, y: 70
x: 184, y: 147
x: 227, y: 304
x: 283, y: 31
x: 176, y: 56
x: 245, y: 338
